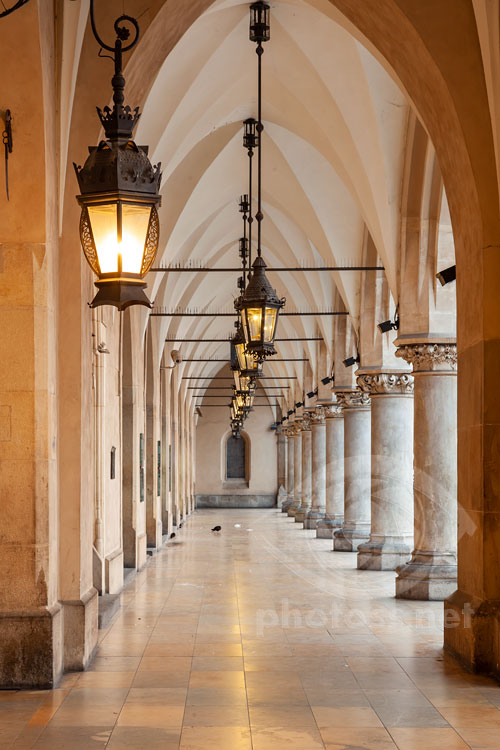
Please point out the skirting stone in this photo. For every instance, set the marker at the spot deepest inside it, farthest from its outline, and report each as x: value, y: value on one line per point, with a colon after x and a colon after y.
x: 301, y: 514
x: 326, y: 527
x: 235, y: 501
x: 80, y: 630
x: 292, y: 510
x: 472, y: 632
x: 31, y: 651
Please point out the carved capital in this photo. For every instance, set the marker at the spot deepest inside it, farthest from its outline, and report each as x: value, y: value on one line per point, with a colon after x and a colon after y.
x: 353, y: 400
x: 318, y: 416
x: 434, y: 357
x: 305, y: 422
x: 386, y: 383
x: 333, y: 411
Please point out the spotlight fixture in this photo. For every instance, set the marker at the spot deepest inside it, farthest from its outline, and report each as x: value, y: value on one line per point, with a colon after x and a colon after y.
x: 447, y: 275
x: 389, y: 325
x: 299, y: 404
x: 350, y: 361
x: 328, y: 380
x: 119, y: 193
x: 290, y: 412
x: 311, y: 394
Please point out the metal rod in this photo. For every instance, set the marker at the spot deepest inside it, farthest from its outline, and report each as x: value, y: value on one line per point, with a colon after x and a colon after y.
x: 226, y: 341
x: 227, y: 387
x: 260, y: 129
x: 228, y: 406
x: 292, y: 359
x: 291, y: 269
x: 208, y: 395
x: 187, y: 314
x: 221, y: 377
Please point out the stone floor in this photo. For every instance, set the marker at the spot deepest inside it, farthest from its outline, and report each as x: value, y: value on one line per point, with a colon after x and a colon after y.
x: 261, y: 637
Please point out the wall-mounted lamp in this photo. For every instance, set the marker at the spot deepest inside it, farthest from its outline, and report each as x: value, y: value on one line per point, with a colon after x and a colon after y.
x: 389, y: 325
x: 447, y: 275
x: 311, y: 394
x: 326, y: 381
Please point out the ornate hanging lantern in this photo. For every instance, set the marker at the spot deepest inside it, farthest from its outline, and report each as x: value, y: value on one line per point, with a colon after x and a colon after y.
x: 259, y: 305
x: 119, y: 195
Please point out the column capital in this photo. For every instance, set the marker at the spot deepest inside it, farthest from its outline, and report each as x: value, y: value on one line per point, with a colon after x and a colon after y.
x: 305, y: 422
x: 386, y: 383
x: 334, y: 411
x: 430, y: 357
x: 318, y: 416
x: 353, y: 399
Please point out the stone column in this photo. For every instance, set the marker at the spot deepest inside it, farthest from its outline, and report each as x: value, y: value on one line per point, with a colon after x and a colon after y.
x: 290, y: 469
x: 318, y: 497
x: 391, y: 539
x: 297, y: 472
x: 334, y: 514
x: 282, y: 472
x: 432, y: 570
x: 305, y: 504
x: 357, y: 460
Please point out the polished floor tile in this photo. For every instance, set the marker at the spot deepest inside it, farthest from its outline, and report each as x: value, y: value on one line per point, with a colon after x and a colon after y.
x: 262, y: 640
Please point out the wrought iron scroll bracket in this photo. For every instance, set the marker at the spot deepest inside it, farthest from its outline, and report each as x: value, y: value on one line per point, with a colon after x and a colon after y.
x: 7, y: 143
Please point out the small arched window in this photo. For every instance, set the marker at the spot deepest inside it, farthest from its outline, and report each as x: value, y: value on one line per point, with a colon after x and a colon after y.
x: 235, y: 458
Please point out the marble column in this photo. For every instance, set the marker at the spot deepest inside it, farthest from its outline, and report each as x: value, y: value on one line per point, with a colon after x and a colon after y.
x: 334, y: 513
x: 282, y: 472
x: 318, y: 495
x: 305, y: 504
x: 357, y: 480
x: 431, y: 573
x: 290, y: 468
x: 391, y: 539
x: 297, y: 470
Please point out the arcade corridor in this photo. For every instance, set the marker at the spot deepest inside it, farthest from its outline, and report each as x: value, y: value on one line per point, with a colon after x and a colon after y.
x: 261, y: 637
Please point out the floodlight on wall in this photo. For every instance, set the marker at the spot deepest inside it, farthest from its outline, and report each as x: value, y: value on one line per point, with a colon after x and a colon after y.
x: 447, y: 275
x: 389, y: 325
x: 311, y: 394
x: 326, y: 381
x: 119, y: 193
x: 299, y: 404
x: 290, y: 412
x: 350, y: 361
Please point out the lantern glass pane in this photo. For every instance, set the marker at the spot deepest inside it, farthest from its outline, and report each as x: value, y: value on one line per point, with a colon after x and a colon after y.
x: 242, y: 359
x: 135, y: 223
x: 270, y: 324
x: 104, y: 223
x: 253, y: 317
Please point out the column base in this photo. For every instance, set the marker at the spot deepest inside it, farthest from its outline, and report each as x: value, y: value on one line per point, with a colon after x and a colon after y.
x: 427, y: 577
x: 301, y: 514
x: 80, y: 630
x: 292, y: 510
x: 313, y: 518
x: 286, y: 505
x: 327, y: 525
x: 384, y: 553
x: 31, y: 655
x: 472, y: 632
x: 348, y: 539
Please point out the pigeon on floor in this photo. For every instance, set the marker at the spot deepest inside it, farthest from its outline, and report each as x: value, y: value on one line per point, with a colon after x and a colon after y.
x: 172, y: 535
x: 217, y: 528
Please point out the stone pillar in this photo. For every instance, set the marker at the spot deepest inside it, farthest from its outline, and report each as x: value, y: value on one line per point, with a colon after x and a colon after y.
x: 391, y: 539
x: 334, y: 514
x: 282, y: 471
x: 318, y: 497
x: 357, y: 459
x: 431, y: 572
x: 297, y: 472
x: 290, y: 469
x: 305, y: 504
